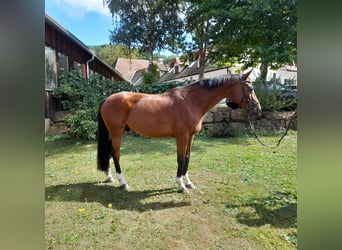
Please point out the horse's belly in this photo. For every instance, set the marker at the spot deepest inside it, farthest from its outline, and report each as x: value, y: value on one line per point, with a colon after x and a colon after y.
x: 151, y: 124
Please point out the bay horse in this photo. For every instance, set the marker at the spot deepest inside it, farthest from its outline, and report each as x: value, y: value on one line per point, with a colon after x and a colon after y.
x: 177, y: 113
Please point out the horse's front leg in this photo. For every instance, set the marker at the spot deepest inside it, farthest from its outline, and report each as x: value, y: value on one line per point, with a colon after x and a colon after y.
x: 185, y: 174
x: 182, y: 143
x: 179, y: 179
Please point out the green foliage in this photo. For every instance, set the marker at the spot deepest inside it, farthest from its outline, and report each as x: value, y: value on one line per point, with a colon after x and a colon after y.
x: 109, y: 53
x: 81, y: 97
x: 148, y: 25
x: 253, y: 31
x: 151, y: 77
x: 268, y: 93
x: 82, y: 124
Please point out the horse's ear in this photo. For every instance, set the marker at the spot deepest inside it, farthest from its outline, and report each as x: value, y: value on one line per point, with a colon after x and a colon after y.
x: 244, y: 76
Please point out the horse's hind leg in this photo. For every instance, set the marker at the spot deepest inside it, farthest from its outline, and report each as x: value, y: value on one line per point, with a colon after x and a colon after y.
x: 116, y: 142
x: 109, y: 177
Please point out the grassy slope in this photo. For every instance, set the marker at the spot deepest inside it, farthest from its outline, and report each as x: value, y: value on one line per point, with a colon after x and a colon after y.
x: 246, y: 196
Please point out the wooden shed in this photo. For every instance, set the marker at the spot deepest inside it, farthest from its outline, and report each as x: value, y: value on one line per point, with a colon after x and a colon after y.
x: 63, y: 51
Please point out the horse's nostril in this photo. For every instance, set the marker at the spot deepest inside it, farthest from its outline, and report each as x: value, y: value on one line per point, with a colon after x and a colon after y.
x: 256, y: 113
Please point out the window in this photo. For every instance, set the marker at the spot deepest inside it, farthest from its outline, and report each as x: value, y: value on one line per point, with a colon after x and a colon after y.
x: 50, y: 68
x: 63, y: 62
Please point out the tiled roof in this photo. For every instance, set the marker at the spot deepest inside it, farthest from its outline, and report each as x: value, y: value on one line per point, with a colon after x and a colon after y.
x: 162, y: 67
x: 190, y: 70
x: 128, y: 67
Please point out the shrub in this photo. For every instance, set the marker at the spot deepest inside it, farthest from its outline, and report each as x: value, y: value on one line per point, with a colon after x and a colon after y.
x: 81, y: 97
x: 151, y: 77
x: 82, y: 124
x: 269, y: 94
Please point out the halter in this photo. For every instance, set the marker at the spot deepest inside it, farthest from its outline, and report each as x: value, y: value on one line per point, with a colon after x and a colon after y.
x: 251, y: 103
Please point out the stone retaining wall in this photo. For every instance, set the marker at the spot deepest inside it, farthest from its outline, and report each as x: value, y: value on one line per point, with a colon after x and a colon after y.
x: 224, y: 121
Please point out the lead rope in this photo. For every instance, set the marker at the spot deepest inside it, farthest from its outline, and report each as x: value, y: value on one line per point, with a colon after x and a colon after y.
x: 251, y: 125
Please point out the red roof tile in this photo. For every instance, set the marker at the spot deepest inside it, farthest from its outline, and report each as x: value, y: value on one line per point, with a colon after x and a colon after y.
x: 128, y: 67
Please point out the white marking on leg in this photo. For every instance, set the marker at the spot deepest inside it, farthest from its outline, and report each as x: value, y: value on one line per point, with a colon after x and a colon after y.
x: 109, y: 176
x: 188, y: 182
x: 122, y: 181
x: 181, y: 186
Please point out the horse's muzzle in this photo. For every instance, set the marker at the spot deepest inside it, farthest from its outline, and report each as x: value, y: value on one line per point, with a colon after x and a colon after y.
x: 255, y: 112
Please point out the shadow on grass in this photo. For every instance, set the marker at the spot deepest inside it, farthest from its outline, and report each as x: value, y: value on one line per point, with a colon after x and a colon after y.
x: 278, y: 210
x: 119, y: 198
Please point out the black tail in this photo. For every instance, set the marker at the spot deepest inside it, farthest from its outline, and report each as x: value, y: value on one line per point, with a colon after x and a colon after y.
x: 104, y: 145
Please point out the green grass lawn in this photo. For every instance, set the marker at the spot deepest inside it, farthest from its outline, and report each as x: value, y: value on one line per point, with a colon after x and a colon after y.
x: 246, y: 196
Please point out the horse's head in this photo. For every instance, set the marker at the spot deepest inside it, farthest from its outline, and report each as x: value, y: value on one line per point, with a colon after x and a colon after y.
x: 245, y: 96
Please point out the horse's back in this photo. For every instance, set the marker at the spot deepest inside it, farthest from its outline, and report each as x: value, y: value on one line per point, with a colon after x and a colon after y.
x: 124, y: 98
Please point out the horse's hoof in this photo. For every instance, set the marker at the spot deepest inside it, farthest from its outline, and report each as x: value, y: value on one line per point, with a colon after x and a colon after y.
x: 125, y: 186
x: 183, y: 190
x: 109, y: 180
x: 191, y: 186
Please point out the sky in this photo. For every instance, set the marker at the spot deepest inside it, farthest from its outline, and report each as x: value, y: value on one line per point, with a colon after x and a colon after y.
x: 89, y: 20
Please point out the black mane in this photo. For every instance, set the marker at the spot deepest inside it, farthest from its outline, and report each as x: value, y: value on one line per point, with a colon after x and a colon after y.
x: 215, y: 82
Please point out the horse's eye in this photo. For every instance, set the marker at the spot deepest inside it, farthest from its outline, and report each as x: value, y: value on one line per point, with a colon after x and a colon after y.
x: 250, y: 88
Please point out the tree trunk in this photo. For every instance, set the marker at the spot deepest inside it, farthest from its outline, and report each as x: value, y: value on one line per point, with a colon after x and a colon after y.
x: 263, y: 71
x: 203, y: 50
x: 150, y: 60
x: 202, y: 64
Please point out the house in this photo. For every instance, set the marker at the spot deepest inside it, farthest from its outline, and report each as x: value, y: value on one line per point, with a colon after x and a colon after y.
x: 128, y: 68
x: 133, y: 70
x: 285, y: 75
x: 162, y: 68
x: 63, y: 52
x: 180, y: 73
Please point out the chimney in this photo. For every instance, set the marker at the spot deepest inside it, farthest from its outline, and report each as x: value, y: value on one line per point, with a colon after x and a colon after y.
x: 160, y: 60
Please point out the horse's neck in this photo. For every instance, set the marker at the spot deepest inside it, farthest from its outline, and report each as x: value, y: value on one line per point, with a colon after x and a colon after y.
x: 204, y: 99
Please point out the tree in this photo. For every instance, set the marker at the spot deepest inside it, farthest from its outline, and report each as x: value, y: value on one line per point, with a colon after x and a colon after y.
x: 152, y: 76
x: 109, y: 53
x: 147, y: 24
x: 257, y: 31
x: 248, y: 31
x: 198, y: 17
